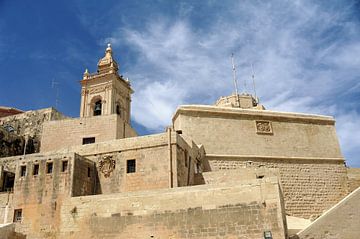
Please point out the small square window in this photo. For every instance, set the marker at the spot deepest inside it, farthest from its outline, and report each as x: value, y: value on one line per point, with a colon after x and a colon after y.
x: 23, y: 171
x: 36, y: 169
x: 49, y: 167
x: 131, y: 166
x: 89, y: 140
x: 64, y: 166
x: 17, y: 215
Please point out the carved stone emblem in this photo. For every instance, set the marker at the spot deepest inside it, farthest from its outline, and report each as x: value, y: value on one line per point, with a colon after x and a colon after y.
x: 107, y: 165
x: 263, y: 127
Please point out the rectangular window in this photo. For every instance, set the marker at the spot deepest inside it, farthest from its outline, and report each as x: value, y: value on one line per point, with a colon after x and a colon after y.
x: 64, y: 166
x: 186, y: 158
x: 49, y: 167
x: 23, y: 171
x: 198, y: 168
x: 36, y: 169
x: 17, y: 215
x: 89, y: 140
x: 89, y: 171
x: 131, y: 166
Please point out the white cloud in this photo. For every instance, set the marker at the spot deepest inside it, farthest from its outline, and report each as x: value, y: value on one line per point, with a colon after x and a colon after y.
x: 305, y: 57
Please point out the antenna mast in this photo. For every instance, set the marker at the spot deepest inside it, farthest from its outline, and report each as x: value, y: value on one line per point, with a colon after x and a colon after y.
x: 234, y: 78
x: 253, y: 79
x: 54, y: 85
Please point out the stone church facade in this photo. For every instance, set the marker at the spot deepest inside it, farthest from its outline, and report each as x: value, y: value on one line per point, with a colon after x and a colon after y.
x: 228, y: 170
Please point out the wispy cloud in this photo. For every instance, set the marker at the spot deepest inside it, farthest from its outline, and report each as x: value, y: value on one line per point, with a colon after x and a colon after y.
x: 305, y: 56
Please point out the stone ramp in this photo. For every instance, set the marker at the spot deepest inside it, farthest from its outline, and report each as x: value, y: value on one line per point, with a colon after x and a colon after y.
x: 340, y: 221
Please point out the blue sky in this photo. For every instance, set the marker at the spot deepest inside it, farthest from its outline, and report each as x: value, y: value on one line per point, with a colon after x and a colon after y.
x: 306, y: 55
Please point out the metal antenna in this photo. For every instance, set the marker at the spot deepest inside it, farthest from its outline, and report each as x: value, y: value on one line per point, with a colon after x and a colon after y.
x: 234, y: 78
x: 253, y: 79
x: 54, y: 85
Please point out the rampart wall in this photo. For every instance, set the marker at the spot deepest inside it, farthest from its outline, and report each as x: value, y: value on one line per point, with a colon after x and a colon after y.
x: 205, y: 211
x: 353, y: 176
x: 341, y: 221
x: 309, y: 187
x: 303, y: 147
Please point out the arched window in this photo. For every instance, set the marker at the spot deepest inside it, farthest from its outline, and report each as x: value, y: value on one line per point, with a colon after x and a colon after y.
x: 97, y: 108
x: 118, y: 110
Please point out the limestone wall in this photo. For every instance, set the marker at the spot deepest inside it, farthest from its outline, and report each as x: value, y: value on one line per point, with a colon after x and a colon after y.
x: 341, y: 221
x: 84, y: 177
x: 70, y: 132
x: 303, y: 147
x: 309, y: 187
x: 353, y: 176
x: 160, y: 163
x: 40, y: 196
x: 238, y: 175
x: 232, y: 131
x: 206, y: 211
x: 30, y: 123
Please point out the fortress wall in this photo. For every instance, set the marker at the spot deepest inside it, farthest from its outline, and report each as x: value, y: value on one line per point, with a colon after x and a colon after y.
x: 70, y: 132
x: 234, y: 131
x: 309, y: 186
x: 353, y: 175
x: 238, y: 175
x: 341, y: 221
x: 206, y: 211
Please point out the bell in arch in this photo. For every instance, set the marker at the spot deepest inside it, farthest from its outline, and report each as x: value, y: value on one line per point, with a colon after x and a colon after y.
x: 97, y: 108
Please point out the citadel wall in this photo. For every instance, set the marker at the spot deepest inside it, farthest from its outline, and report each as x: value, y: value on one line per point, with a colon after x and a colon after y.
x: 341, y: 221
x: 303, y: 147
x: 310, y: 187
x: 232, y: 210
x: 353, y: 177
x: 234, y: 131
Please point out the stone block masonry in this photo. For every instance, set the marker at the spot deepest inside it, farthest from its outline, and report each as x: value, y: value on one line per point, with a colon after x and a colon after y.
x: 310, y: 187
x: 66, y: 133
x: 204, y: 211
x: 341, y: 221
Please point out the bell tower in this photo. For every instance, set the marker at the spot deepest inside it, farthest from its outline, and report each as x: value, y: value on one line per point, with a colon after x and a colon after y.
x: 105, y: 92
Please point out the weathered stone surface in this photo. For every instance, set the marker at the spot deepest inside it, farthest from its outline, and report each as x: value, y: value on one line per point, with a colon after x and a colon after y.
x: 353, y: 177
x: 231, y: 211
x: 341, y: 221
x: 7, y: 231
x: 28, y: 127
x: 10, y: 143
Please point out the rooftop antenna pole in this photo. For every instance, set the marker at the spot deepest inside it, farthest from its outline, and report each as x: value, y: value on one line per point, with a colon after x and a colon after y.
x: 253, y: 79
x: 234, y: 78
x: 54, y: 85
